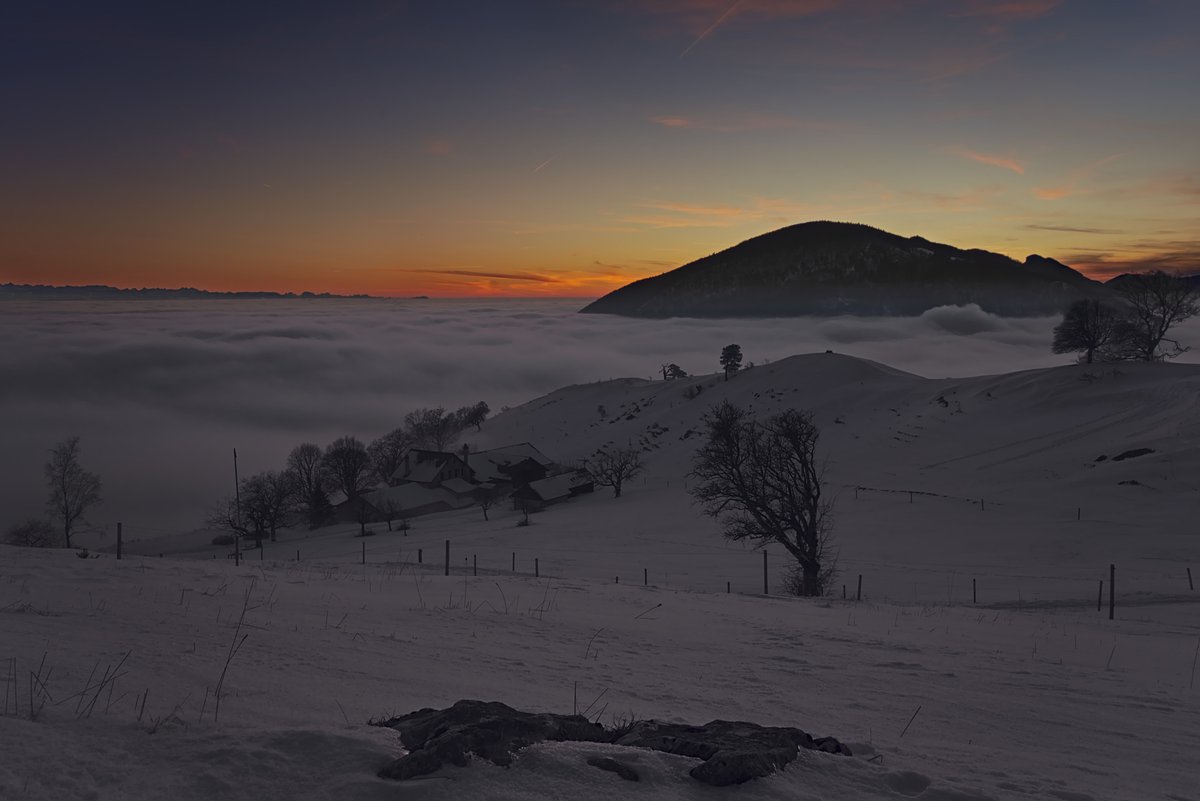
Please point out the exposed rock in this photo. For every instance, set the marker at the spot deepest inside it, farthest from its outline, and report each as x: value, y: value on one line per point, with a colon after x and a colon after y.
x: 732, y: 752
x: 489, y: 730
x: 608, y: 763
x: 1132, y: 454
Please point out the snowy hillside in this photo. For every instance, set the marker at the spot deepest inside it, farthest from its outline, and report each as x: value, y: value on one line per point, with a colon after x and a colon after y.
x: 1024, y: 691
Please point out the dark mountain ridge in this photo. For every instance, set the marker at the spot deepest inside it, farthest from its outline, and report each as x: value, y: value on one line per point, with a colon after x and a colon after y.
x: 831, y: 268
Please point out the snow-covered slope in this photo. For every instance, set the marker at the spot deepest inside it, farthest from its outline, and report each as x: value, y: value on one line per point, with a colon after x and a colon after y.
x: 979, y: 608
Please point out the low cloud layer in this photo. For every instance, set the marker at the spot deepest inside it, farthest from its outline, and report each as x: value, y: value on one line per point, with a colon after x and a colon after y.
x: 161, y: 393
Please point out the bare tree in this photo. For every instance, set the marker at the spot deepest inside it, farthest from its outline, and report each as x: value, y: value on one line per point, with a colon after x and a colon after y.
x: 473, y: 415
x: 227, y: 516
x: 433, y: 428
x: 612, y: 468
x: 310, y: 482
x: 486, y: 497
x: 72, y: 489
x: 304, y: 463
x: 387, y: 453
x: 1157, y: 302
x: 267, y: 499
x: 763, y: 483
x: 348, y: 466
x: 1088, y: 326
x: 390, y: 510
x: 32, y: 533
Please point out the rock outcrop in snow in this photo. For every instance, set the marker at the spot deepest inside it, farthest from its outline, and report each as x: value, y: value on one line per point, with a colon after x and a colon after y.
x: 732, y: 752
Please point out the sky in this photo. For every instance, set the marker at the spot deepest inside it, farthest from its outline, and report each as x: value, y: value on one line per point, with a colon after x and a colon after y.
x: 536, y: 148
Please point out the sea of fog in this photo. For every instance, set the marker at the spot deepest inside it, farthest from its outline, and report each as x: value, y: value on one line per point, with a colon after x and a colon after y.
x: 161, y: 392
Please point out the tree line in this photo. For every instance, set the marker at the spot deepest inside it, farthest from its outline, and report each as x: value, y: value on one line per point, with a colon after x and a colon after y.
x: 266, y: 501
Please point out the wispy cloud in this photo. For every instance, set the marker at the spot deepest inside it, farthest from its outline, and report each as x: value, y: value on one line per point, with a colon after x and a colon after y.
x: 1008, y: 10
x: 737, y: 123
x: 1004, y: 162
x: 1073, y: 230
x: 474, y: 273
x: 1071, y: 183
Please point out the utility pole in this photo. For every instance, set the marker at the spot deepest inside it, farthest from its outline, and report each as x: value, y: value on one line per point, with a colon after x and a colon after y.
x: 237, y: 500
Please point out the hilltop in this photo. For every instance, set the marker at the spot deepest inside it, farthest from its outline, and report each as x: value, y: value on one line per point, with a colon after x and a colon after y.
x: 831, y: 268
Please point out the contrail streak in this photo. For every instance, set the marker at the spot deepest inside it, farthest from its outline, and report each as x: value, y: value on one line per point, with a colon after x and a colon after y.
x: 711, y: 28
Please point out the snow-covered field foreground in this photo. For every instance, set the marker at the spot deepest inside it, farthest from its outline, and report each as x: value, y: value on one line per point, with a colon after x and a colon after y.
x: 1041, y: 704
x: 978, y: 512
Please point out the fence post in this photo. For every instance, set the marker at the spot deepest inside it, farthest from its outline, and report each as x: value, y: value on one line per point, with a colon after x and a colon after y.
x: 1191, y: 586
x: 297, y: 554
x: 537, y: 573
x: 859, y: 596
x: 119, y: 548
x: 1112, y: 596
x: 475, y: 564
x: 765, y: 572
x: 974, y: 594
x: 727, y: 590
x: 514, y: 567
x: 364, y: 553
x: 843, y: 592
x: 646, y: 576
x: 447, y: 557
x: 1100, y: 596
x: 420, y: 556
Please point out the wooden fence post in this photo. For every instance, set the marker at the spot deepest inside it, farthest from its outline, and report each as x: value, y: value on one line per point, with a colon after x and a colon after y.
x: 646, y: 577
x: 364, y: 553
x: 1191, y: 586
x: 1112, y: 596
x: 974, y: 593
x: 475, y: 564
x: 447, y: 557
x: 765, y: 572
x: 1100, y: 596
x: 537, y: 571
x: 420, y: 556
x: 859, y: 596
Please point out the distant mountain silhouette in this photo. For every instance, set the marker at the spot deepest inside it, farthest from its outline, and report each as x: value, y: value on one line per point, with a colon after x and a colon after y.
x: 829, y: 268
x: 102, y: 292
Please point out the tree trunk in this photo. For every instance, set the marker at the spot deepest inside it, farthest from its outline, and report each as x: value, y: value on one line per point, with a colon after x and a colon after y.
x: 810, y: 585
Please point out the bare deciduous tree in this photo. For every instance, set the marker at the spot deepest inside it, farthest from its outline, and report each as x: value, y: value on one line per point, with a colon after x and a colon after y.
x: 348, y: 466
x: 761, y: 480
x: 33, y: 533
x: 433, y: 428
x: 612, y: 468
x: 473, y: 415
x: 267, y: 499
x: 486, y: 498
x: 72, y: 489
x: 310, y: 481
x: 1157, y: 301
x: 387, y: 453
x: 1088, y: 326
